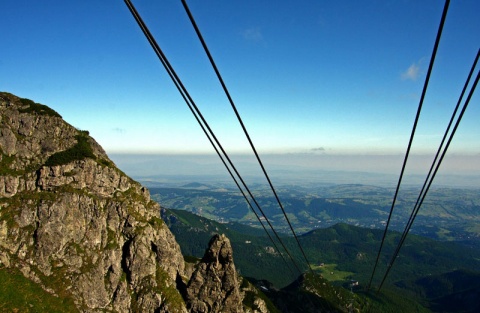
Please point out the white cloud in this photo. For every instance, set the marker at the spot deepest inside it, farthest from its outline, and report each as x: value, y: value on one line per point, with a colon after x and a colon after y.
x: 253, y: 34
x: 412, y: 72
x: 119, y: 130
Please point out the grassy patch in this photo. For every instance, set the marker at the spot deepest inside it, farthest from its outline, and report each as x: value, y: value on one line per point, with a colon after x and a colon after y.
x: 170, y: 293
x: 156, y: 222
x: 19, y: 294
x: 6, y: 163
x: 106, y: 163
x: 191, y: 259
x: 444, y: 234
x: 111, y: 240
x: 330, y: 272
x: 474, y: 228
x: 81, y: 150
x: 37, y: 108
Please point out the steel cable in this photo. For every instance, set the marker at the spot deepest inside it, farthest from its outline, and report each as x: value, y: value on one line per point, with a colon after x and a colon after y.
x: 219, y: 76
x: 427, y: 78
x: 422, y: 196
x: 192, y: 106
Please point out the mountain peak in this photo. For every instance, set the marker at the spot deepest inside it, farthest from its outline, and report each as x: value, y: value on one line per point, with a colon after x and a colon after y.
x: 214, y: 286
x: 76, y: 225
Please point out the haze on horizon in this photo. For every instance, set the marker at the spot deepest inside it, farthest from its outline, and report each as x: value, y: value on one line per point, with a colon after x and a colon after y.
x: 287, y: 169
x: 322, y: 85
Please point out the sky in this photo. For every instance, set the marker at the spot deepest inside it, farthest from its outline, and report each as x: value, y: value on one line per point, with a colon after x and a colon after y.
x: 309, y: 78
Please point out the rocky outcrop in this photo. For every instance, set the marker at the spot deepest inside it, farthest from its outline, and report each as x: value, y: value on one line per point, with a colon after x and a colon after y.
x: 77, y: 225
x: 73, y: 223
x: 214, y: 286
x: 254, y: 300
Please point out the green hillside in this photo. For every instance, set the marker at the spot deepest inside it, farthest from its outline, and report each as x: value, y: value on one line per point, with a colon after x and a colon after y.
x: 341, y: 253
x: 454, y: 291
x: 253, y: 251
x: 354, y: 249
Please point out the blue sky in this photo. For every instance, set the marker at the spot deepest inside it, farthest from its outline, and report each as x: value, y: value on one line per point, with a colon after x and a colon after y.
x: 321, y: 77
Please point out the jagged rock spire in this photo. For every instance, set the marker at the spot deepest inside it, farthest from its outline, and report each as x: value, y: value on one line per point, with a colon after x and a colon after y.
x: 214, y: 286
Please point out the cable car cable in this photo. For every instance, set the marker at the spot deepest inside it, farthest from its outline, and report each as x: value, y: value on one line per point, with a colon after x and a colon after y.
x: 197, y: 30
x: 422, y: 191
x: 427, y: 78
x: 394, y: 257
x: 186, y: 95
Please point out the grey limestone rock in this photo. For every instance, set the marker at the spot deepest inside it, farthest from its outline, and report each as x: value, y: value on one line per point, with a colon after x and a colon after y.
x: 214, y: 286
x: 81, y: 229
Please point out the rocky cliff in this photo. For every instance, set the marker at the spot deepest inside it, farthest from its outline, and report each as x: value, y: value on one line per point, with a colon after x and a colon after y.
x: 77, y: 226
x: 214, y: 285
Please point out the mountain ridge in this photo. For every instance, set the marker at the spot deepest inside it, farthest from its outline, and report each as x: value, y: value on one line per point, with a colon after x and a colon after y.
x: 76, y: 226
x: 342, y: 253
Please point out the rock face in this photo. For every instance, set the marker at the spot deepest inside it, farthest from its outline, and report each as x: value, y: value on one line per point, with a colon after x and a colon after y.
x: 214, y: 286
x: 75, y: 224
